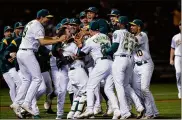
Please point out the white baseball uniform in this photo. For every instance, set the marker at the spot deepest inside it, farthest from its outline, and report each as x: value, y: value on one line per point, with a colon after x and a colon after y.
x: 28, y: 63
x: 101, y: 70
x: 177, y: 45
x: 142, y: 74
x: 122, y: 70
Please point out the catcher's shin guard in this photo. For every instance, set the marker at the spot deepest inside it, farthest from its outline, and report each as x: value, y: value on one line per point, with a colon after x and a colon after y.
x: 75, y: 104
x: 82, y: 103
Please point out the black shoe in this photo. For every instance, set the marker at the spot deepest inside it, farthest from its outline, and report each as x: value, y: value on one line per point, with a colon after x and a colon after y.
x: 50, y: 111
x: 36, y: 117
x: 140, y: 114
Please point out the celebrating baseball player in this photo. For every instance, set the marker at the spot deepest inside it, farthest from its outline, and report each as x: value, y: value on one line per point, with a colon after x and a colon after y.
x: 143, y: 70
x: 175, y: 58
x: 33, y: 36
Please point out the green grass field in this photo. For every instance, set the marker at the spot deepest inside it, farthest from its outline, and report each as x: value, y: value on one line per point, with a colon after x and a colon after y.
x: 165, y: 96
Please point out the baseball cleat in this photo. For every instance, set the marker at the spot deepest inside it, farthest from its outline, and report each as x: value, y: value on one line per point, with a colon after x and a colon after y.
x: 87, y: 114
x: 179, y: 95
x: 47, y: 105
x: 97, y: 110
x: 59, y: 117
x: 140, y: 114
x: 117, y: 114
x: 127, y: 116
x: 50, y: 111
x: 17, y: 109
x: 70, y: 115
x: 27, y: 108
x: 36, y: 117
x: 77, y: 114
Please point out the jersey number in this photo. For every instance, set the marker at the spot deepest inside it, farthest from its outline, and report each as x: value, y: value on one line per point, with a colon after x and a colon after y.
x: 139, y: 53
x: 24, y: 32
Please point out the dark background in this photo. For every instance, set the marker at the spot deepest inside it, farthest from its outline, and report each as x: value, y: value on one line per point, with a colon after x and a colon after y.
x: 161, y: 20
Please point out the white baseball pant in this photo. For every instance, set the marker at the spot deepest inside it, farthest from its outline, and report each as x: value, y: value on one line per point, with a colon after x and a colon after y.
x: 60, y: 82
x: 101, y: 70
x: 32, y: 77
x: 141, y: 84
x: 177, y: 64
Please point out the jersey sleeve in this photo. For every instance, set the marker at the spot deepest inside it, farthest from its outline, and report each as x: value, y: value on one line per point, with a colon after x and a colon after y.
x: 140, y: 39
x: 86, y: 48
x: 116, y: 37
x: 173, y: 45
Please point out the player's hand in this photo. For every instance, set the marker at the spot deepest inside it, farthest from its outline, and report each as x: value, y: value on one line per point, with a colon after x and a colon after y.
x: 171, y: 62
x: 13, y: 55
x: 11, y: 60
x: 63, y: 38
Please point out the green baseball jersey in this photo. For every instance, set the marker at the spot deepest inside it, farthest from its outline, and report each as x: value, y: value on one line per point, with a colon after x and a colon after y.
x: 5, y: 64
x: 13, y: 47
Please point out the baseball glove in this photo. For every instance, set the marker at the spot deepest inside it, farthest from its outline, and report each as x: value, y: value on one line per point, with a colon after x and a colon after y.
x: 79, y: 37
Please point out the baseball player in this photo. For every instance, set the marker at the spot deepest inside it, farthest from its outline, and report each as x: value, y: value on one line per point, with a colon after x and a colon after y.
x: 84, y: 22
x: 7, y: 67
x: 62, y: 61
x: 54, y: 70
x: 33, y: 36
x: 18, y: 29
x: 92, y: 14
x: 114, y: 15
x: 175, y: 58
x: 101, y: 70
x: 123, y: 45
x: 7, y: 33
x: 143, y: 70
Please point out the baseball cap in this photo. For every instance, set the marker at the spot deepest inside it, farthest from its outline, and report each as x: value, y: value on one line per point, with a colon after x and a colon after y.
x: 137, y: 22
x: 65, y: 21
x: 6, y: 28
x: 58, y: 26
x: 74, y: 21
x: 82, y: 14
x: 123, y: 20
x: 44, y: 13
x: 114, y: 12
x: 94, y: 25
x: 18, y: 25
x: 92, y: 9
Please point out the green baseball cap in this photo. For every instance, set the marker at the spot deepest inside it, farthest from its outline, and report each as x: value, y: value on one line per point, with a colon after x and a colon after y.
x: 92, y: 9
x: 18, y: 25
x: 44, y: 13
x: 65, y: 21
x: 94, y: 25
x: 123, y: 20
x: 6, y: 28
x: 114, y: 12
x: 82, y: 14
x: 74, y: 21
x: 137, y: 22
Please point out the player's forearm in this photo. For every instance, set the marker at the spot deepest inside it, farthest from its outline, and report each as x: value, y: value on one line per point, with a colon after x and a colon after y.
x: 48, y: 41
x: 172, y: 54
x: 112, y: 49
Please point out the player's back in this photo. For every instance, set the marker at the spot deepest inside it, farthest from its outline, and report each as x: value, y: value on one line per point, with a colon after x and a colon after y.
x: 142, y: 52
x: 126, y: 42
x: 32, y: 32
x: 96, y: 42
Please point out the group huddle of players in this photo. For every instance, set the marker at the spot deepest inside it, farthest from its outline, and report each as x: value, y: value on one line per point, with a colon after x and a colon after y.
x: 93, y: 58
